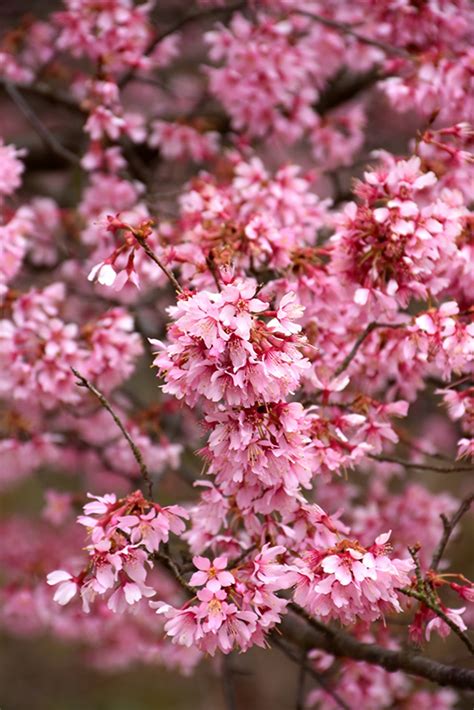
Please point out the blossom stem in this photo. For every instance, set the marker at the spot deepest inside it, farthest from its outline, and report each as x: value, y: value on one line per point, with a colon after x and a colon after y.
x: 449, y: 526
x: 365, y: 333
x: 84, y: 382
x: 151, y: 255
x: 421, y: 466
x: 349, y: 30
x: 423, y: 598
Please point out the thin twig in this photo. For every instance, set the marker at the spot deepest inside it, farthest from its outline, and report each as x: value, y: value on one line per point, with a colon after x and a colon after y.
x: 409, y: 443
x: 178, y: 25
x: 48, y: 138
x: 442, y: 615
x: 365, y: 333
x: 212, y: 266
x: 242, y: 556
x: 84, y: 382
x: 151, y: 255
x: 44, y: 91
x: 421, y: 466
x: 349, y: 30
x: 171, y: 565
x: 448, y: 526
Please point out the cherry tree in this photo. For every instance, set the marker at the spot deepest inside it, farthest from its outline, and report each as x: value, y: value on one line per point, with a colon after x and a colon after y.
x: 268, y: 202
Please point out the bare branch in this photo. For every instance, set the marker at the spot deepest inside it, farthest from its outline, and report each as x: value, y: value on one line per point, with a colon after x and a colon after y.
x: 177, y: 26
x: 365, y: 333
x: 349, y: 30
x: 421, y: 466
x: 43, y: 90
x: 345, y: 87
x: 171, y: 565
x: 44, y: 133
x: 449, y: 526
x: 151, y: 255
x: 84, y: 382
x: 343, y: 645
x: 213, y: 268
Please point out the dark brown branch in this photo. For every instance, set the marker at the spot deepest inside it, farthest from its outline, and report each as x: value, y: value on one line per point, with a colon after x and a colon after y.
x: 343, y: 645
x: 172, y: 567
x: 422, y: 466
x: 44, y: 91
x: 84, y: 382
x: 151, y: 255
x: 213, y: 268
x: 48, y: 138
x: 365, y: 333
x: 349, y: 30
x: 345, y: 87
x: 448, y: 528
x: 179, y: 25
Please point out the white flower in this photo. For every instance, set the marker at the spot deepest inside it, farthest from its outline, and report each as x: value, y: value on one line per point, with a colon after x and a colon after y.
x: 104, y: 273
x: 67, y: 586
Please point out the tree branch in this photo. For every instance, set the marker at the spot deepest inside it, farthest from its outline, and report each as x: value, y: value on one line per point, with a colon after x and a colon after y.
x: 84, y: 382
x: 44, y: 91
x: 48, y: 138
x: 365, y: 333
x: 172, y: 567
x: 151, y: 255
x: 349, y: 30
x: 178, y: 25
x: 343, y: 645
x: 345, y: 87
x: 423, y: 598
x: 306, y: 632
x: 421, y: 466
x: 449, y: 526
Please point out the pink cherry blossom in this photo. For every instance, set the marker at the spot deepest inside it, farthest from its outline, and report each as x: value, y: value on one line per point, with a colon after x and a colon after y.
x: 212, y: 574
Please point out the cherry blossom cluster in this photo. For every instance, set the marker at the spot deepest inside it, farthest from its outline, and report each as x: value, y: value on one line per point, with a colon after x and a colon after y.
x: 114, y: 33
x: 122, y: 532
x: 221, y: 350
x: 233, y: 609
x: 39, y: 349
x: 391, y: 247
x: 255, y: 218
x: 349, y: 581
